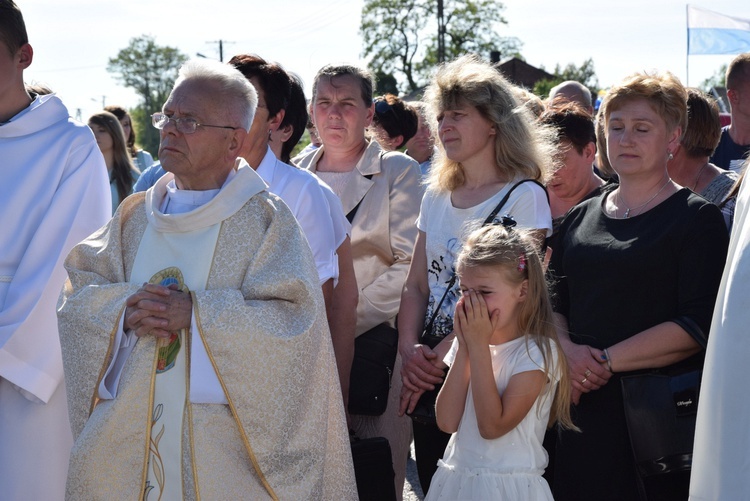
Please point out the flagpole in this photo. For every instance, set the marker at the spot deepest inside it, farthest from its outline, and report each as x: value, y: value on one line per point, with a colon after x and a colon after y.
x: 687, y: 50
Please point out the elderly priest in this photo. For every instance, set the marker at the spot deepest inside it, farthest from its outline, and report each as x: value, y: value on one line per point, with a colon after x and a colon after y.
x: 195, y: 343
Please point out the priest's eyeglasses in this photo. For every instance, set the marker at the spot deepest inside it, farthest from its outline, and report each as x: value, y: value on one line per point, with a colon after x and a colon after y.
x: 185, y: 125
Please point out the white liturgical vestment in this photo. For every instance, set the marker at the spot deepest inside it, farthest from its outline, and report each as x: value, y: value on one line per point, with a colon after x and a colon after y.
x: 54, y: 192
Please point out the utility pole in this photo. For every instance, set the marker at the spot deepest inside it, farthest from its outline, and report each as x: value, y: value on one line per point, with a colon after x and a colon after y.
x: 104, y: 101
x: 221, y: 48
x: 441, y: 32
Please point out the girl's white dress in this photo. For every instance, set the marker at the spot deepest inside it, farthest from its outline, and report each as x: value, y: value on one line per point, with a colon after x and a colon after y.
x: 505, y: 468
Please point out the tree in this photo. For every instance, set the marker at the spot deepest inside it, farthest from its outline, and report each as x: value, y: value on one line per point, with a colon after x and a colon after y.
x: 400, y: 36
x: 150, y: 70
x: 470, y: 28
x: 146, y: 135
x: 385, y: 83
x: 390, y: 31
x: 715, y: 80
x: 584, y: 74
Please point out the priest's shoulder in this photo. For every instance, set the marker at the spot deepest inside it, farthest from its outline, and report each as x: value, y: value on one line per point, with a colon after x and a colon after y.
x: 270, y: 206
x: 127, y: 224
x: 130, y: 211
x: 131, y: 203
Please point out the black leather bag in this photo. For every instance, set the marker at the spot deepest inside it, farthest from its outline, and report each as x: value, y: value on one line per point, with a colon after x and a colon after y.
x: 660, y: 411
x: 372, y: 369
x: 373, y: 469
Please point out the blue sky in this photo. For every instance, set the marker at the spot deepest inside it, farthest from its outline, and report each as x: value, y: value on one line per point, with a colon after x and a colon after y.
x: 73, y: 39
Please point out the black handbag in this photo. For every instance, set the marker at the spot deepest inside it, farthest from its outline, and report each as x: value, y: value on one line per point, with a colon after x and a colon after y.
x: 373, y: 469
x: 372, y: 368
x: 424, y: 411
x: 660, y: 412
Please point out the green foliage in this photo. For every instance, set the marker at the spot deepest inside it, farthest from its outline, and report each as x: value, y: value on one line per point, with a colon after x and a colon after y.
x: 400, y: 36
x: 385, y: 83
x: 715, y: 80
x: 301, y: 145
x: 585, y: 74
x: 146, y: 135
x: 390, y: 31
x: 150, y: 70
x: 543, y: 86
x: 470, y: 28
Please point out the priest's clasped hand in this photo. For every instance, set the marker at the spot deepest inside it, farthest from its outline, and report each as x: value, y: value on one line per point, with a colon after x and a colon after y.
x: 158, y: 310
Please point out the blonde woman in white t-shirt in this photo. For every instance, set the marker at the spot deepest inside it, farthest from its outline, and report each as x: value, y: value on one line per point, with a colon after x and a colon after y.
x: 488, y: 143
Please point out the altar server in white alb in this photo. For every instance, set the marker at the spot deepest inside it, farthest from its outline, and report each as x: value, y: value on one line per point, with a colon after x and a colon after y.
x: 54, y: 193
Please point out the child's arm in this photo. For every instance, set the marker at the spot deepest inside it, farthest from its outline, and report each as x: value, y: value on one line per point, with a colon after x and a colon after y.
x: 451, y: 401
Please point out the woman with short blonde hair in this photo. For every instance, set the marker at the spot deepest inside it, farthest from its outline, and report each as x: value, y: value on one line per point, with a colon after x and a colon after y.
x: 637, y: 270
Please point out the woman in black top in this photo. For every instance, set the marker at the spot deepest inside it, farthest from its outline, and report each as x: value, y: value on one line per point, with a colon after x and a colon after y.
x: 637, y: 271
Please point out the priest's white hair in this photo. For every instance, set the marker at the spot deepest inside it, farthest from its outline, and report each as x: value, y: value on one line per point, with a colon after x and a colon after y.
x: 236, y: 91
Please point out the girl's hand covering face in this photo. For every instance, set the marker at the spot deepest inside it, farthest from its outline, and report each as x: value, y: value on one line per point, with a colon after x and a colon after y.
x: 457, y: 324
x: 475, y: 323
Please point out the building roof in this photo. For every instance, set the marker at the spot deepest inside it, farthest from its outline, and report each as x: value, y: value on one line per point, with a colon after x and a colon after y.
x: 520, y: 72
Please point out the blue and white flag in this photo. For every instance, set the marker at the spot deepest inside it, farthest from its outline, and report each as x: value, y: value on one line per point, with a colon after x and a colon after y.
x: 713, y: 33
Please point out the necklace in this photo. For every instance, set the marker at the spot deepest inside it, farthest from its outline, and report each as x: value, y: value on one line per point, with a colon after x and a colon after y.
x: 700, y: 171
x: 629, y: 209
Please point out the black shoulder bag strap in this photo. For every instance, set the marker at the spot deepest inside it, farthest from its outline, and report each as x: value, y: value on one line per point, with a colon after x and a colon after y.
x: 490, y: 219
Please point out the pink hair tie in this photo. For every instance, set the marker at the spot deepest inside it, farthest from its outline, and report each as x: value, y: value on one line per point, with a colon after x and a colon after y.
x: 522, y: 262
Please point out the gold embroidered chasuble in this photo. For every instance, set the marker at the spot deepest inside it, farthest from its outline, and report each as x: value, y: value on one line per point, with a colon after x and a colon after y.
x: 161, y: 257
x: 262, y: 321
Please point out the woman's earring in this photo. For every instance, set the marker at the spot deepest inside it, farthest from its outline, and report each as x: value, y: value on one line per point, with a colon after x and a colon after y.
x: 670, y: 156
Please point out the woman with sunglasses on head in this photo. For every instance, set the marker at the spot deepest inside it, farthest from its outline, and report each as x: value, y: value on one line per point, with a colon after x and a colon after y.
x: 490, y: 144
x: 394, y: 122
x: 111, y: 141
x: 637, y: 269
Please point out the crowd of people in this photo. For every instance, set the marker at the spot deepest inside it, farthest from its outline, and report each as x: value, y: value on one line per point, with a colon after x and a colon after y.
x: 190, y: 331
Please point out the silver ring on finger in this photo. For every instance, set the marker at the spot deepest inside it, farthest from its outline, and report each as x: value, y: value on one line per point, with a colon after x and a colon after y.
x: 584, y: 380
x: 587, y: 373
